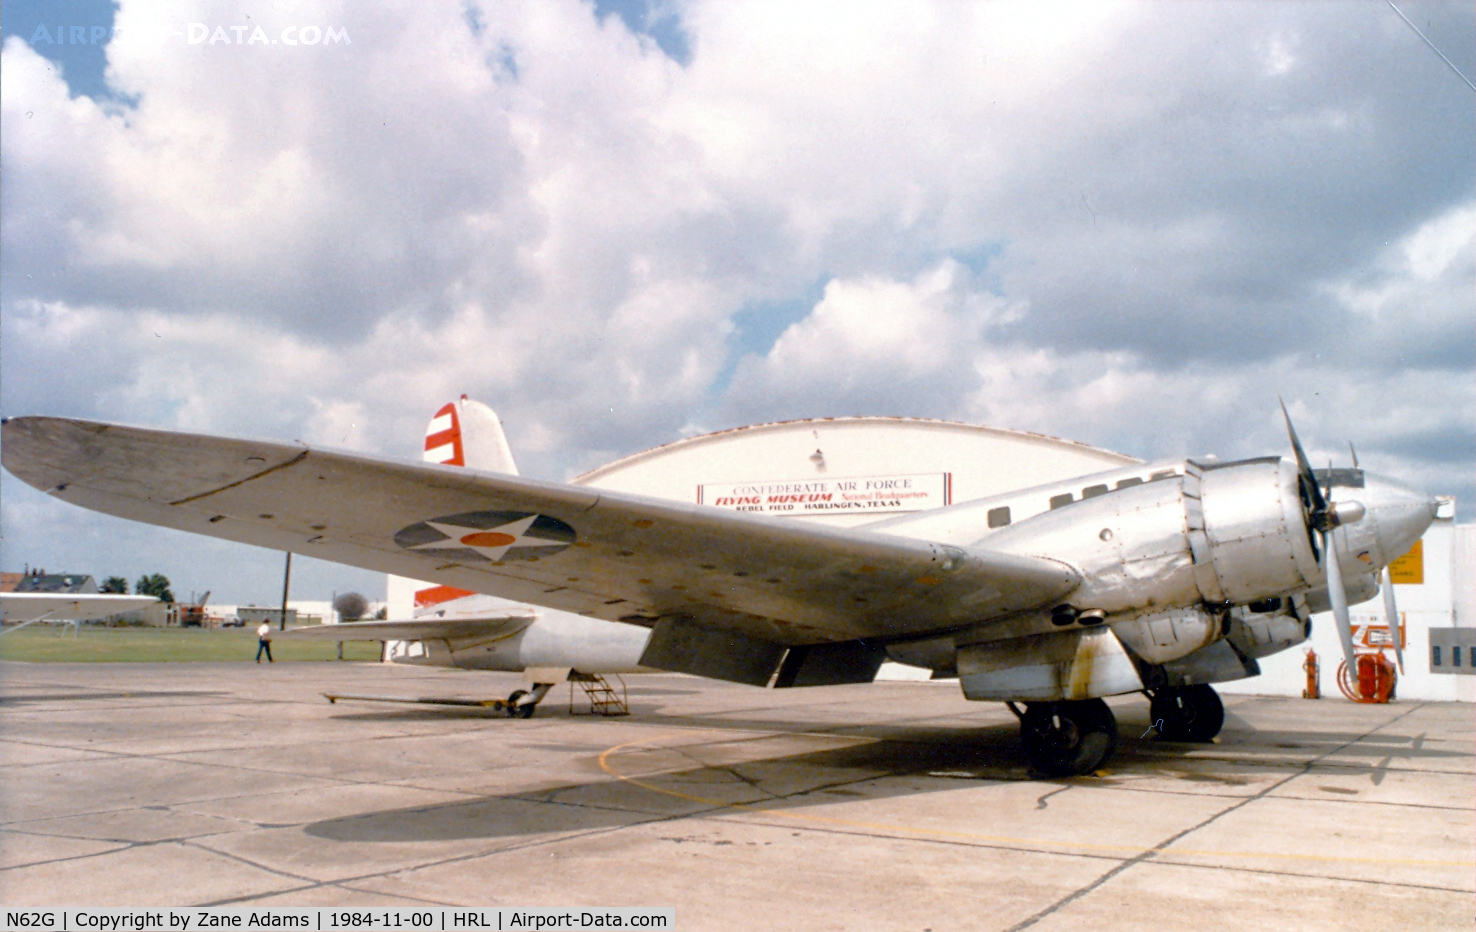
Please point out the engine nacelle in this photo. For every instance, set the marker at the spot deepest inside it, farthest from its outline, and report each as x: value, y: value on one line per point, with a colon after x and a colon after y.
x: 1165, y: 636
x: 1247, y: 532
x: 1260, y: 634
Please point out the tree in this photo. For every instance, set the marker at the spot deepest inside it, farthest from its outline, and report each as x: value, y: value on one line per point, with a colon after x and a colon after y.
x: 115, y: 584
x: 156, y: 585
x: 351, y: 606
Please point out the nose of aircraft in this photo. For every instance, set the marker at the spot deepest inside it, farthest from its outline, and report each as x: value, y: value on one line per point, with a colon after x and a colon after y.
x: 1400, y: 513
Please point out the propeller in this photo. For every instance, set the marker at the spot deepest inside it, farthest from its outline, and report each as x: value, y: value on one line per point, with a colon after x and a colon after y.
x: 1391, y: 614
x: 1338, y: 596
x: 1323, y: 517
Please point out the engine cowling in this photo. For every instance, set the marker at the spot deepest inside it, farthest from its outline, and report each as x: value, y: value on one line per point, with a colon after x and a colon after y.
x: 1285, y: 623
x: 1163, y: 636
x: 1247, y: 532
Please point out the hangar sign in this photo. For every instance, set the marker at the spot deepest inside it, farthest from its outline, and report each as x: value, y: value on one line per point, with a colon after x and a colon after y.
x: 795, y: 497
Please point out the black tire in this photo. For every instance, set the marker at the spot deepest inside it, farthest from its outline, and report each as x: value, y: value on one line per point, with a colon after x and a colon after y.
x: 1068, y: 739
x: 1188, y: 713
x: 519, y: 711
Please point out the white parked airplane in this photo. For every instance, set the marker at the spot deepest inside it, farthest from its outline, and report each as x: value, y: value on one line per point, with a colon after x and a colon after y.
x: 1157, y: 578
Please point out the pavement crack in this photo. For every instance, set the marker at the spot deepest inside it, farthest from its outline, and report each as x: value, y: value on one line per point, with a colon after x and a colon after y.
x: 1163, y: 845
x: 1041, y: 802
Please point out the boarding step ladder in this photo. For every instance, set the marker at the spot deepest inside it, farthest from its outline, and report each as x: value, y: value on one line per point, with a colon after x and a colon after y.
x: 603, y: 698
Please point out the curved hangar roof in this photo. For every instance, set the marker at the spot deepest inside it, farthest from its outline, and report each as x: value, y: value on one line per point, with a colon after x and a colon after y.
x: 850, y: 470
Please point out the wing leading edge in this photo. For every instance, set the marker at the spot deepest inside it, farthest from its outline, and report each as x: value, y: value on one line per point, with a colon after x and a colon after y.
x: 38, y: 606
x: 603, y: 554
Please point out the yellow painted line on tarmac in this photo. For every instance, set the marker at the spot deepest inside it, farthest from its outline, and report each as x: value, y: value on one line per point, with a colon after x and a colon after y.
x: 757, y: 808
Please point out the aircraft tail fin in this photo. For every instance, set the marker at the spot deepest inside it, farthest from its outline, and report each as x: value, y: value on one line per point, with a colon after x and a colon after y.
x: 463, y: 433
x: 468, y: 433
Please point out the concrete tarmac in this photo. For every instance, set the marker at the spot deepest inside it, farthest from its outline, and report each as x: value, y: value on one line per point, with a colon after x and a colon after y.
x: 889, y: 806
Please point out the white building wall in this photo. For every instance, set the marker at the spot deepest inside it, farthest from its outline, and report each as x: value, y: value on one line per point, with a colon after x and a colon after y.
x: 1463, y: 560
x: 978, y: 461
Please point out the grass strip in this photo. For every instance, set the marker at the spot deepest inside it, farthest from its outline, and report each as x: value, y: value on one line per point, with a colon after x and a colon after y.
x: 99, y: 644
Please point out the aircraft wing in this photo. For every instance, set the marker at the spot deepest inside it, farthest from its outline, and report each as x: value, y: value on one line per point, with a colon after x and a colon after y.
x: 593, y: 552
x: 67, y: 606
x: 419, y: 629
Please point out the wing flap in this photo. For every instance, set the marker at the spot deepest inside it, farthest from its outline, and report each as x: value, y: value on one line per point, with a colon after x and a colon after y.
x: 592, y: 552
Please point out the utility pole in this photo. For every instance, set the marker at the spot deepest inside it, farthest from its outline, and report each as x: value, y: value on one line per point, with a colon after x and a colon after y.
x: 286, y: 585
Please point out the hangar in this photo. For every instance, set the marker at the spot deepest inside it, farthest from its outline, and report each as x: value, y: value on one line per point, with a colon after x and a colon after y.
x: 835, y: 471
x: 847, y: 470
x: 852, y: 470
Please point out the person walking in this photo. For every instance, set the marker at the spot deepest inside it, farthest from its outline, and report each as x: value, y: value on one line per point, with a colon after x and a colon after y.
x: 264, y: 642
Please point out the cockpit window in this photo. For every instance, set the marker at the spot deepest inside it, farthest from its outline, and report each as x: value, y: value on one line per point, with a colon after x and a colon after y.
x: 1063, y: 499
x: 1344, y: 477
x: 1092, y: 491
x: 1131, y: 480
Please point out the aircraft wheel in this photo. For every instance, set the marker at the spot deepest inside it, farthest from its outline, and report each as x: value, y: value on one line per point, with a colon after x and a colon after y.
x: 519, y: 711
x: 1067, y: 739
x: 1188, y: 713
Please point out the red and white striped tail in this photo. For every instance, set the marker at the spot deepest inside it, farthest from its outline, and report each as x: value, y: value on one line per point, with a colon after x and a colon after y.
x: 443, y: 438
x: 468, y: 433
x: 463, y: 433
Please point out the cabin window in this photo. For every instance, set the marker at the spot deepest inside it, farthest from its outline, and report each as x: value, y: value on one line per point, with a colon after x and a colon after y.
x: 1092, y: 491
x: 1455, y: 656
x: 1473, y: 656
x: 1132, y: 480
x: 999, y: 517
x: 1434, y: 655
x: 1063, y: 499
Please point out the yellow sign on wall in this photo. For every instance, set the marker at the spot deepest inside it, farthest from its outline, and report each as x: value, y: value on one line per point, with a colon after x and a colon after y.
x: 1409, y: 570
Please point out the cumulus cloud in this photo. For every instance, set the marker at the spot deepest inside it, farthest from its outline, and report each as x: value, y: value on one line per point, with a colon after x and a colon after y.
x: 874, y: 345
x: 1129, y: 224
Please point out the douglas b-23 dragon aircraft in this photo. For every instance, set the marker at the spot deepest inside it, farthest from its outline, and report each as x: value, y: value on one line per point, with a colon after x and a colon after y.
x: 1161, y: 578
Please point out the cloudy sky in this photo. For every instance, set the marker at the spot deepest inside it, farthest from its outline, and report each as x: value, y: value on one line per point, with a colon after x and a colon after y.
x: 1132, y: 225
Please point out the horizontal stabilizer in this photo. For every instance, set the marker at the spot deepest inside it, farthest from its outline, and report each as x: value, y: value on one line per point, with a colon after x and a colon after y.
x: 67, y: 606
x: 420, y: 629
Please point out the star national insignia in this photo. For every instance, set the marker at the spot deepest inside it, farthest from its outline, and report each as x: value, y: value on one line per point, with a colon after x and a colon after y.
x: 487, y: 536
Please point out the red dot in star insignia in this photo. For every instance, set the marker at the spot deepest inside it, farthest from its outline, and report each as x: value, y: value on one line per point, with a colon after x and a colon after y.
x: 488, y: 539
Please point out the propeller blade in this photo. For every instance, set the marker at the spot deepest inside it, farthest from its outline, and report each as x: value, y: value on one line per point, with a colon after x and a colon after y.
x: 1309, y: 481
x: 1338, y: 596
x: 1355, y: 454
x: 1391, y: 614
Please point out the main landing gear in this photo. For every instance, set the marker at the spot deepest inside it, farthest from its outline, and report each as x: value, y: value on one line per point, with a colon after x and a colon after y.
x: 1067, y: 739
x: 1186, y: 713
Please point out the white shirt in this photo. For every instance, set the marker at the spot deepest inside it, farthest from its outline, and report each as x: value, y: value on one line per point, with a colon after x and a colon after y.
x: 265, y: 631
